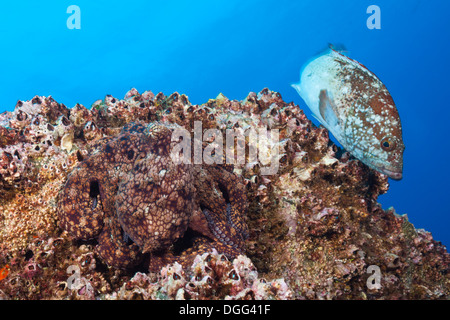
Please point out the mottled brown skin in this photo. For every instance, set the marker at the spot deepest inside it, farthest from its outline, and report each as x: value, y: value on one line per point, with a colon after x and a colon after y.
x: 131, y: 197
x: 86, y: 207
x: 88, y: 197
x: 114, y: 249
x: 222, y: 198
x: 155, y: 200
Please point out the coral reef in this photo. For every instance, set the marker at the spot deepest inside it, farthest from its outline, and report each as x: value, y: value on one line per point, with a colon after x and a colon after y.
x: 315, y: 229
x: 211, y: 275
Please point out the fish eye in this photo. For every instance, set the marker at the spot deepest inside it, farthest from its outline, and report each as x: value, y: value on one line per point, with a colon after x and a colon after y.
x: 387, y: 144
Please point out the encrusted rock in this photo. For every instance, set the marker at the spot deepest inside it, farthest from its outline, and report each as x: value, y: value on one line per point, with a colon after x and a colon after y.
x: 315, y: 226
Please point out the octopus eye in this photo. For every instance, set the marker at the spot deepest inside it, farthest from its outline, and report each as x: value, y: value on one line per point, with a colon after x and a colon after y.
x: 387, y: 144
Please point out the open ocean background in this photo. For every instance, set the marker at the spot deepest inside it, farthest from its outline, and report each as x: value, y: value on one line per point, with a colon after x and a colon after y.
x: 202, y: 48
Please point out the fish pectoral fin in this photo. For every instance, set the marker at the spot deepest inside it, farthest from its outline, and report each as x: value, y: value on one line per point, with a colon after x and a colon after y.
x: 317, y: 118
x: 326, y: 110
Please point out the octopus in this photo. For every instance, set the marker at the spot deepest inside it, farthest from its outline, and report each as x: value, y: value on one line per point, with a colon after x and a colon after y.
x: 131, y: 198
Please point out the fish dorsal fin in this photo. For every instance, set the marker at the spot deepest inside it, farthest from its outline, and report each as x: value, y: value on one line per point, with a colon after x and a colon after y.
x: 326, y: 110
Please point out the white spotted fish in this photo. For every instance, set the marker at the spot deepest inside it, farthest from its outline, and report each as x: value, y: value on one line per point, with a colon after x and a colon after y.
x: 355, y: 106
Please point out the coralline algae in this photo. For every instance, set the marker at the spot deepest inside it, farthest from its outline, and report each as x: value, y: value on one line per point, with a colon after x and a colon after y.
x: 315, y: 227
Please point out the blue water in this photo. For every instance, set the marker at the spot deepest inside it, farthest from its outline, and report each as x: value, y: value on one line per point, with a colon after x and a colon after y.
x: 201, y: 48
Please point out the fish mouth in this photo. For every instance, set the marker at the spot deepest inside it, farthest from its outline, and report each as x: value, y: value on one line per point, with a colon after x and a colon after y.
x: 396, y: 175
x: 393, y: 171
